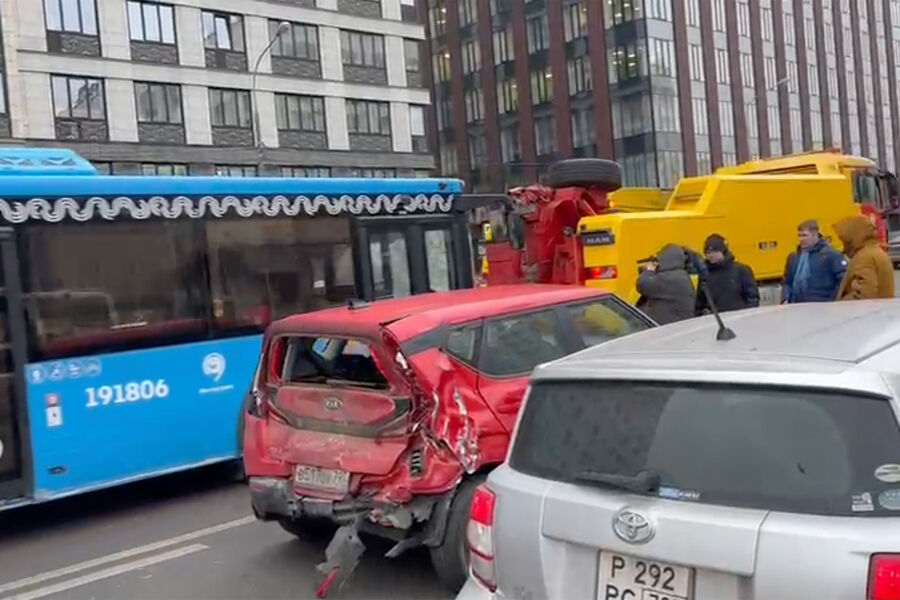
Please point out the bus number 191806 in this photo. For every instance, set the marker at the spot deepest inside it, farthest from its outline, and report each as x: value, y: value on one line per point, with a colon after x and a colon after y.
x: 122, y: 393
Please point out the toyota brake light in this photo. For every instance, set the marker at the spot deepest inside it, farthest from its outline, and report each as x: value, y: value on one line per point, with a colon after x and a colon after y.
x: 479, y: 537
x: 884, y: 577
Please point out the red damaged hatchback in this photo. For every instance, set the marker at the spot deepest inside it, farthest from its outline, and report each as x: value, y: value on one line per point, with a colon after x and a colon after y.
x: 384, y: 417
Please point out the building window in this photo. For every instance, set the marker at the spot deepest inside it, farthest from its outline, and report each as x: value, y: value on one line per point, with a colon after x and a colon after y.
x: 662, y: 57
x: 471, y: 56
x: 373, y: 173
x: 575, y: 21
x: 722, y: 74
x: 765, y: 16
x: 151, y: 22
x: 164, y: 170
x: 771, y: 73
x: 627, y: 62
x: 416, y: 120
x: 747, y: 69
x: 696, y: 52
x: 815, y: 119
x: 792, y: 76
x: 411, y: 50
x: 810, y: 34
x: 542, y: 86
x: 719, y: 21
x: 704, y: 163
x: 632, y: 116
x: 788, y: 29
x: 661, y: 10
x: 832, y: 82
x: 158, y: 103
x: 796, y: 124
x: 507, y: 96
x: 442, y: 66
x: 743, y: 18
x: 726, y: 118
x: 813, y: 80
x: 665, y: 113
x: 579, y: 75
x: 774, y: 123
x: 538, y: 33
x: 583, y: 132
x: 236, y: 170
x: 306, y: 171
x: 545, y: 135
x: 444, y: 114
x: 750, y: 118
x: 474, y: 100
x: 449, y: 161
x: 71, y: 16
x: 503, y: 46
x: 368, y: 117
x: 299, y: 113
x: 78, y: 98
x: 510, y: 149
x: 729, y: 159
x: 229, y: 108
x: 692, y: 10
x: 701, y: 125
x: 297, y: 41
x: 222, y: 31
x: 468, y: 12
x: 477, y: 151
x: 622, y: 11
x: 362, y: 49
x: 437, y: 18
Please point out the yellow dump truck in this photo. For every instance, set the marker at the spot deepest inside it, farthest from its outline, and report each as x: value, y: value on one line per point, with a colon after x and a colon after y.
x: 756, y: 206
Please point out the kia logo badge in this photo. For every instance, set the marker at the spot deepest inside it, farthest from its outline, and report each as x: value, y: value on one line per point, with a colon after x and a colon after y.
x: 333, y: 404
x: 632, y: 526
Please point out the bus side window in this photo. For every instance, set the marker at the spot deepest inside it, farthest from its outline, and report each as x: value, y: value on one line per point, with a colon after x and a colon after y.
x: 105, y: 286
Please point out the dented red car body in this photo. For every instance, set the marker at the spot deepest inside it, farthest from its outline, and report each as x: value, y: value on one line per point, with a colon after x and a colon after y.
x: 376, y: 413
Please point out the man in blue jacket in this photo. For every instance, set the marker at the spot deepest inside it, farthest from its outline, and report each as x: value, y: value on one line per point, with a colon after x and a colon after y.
x: 814, y: 272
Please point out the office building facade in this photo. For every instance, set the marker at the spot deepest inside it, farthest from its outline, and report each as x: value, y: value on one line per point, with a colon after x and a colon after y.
x: 194, y: 86
x: 665, y: 87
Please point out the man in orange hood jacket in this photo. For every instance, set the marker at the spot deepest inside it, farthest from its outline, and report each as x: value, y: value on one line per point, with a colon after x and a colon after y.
x: 870, y: 273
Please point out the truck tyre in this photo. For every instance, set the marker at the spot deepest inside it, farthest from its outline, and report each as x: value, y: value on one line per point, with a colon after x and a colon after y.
x: 309, y: 530
x: 451, y: 558
x: 585, y: 172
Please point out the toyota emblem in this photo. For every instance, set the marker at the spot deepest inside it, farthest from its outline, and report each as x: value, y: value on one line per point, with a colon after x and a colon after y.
x: 632, y: 526
x: 333, y: 404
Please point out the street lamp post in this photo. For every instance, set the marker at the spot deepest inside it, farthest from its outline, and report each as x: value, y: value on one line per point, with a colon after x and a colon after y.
x: 257, y: 139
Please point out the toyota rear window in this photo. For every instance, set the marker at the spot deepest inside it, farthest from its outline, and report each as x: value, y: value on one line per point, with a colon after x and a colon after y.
x: 789, y: 450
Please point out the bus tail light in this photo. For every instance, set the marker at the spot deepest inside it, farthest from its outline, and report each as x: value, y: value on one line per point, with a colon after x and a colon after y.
x: 884, y: 577
x: 607, y: 272
x: 479, y: 537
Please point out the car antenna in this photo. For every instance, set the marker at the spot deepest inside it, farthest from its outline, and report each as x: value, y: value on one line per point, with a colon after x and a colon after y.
x: 724, y: 333
x: 356, y: 303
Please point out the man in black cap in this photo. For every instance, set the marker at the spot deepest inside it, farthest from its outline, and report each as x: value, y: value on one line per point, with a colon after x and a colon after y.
x: 730, y: 283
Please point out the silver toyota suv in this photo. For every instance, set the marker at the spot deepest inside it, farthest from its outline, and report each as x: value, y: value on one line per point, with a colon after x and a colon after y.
x: 668, y: 465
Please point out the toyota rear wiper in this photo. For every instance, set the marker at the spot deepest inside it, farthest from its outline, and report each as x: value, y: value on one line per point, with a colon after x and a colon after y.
x: 642, y: 483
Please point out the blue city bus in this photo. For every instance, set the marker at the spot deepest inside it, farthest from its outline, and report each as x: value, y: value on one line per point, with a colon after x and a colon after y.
x: 131, y: 308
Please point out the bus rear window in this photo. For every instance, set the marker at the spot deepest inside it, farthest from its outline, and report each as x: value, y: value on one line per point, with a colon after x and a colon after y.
x: 332, y: 361
x: 791, y: 450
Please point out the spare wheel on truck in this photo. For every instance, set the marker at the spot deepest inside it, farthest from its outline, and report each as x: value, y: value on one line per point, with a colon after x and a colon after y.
x: 585, y: 172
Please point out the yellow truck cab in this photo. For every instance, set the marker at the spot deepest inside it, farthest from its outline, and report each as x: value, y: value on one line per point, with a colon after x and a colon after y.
x: 756, y: 206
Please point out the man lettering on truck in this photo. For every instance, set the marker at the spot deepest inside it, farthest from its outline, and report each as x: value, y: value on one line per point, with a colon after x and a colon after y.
x: 814, y: 272
x: 731, y: 284
x: 870, y: 273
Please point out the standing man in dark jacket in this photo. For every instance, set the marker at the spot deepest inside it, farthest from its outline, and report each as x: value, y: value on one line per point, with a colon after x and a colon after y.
x: 814, y: 272
x: 730, y: 283
x: 666, y: 287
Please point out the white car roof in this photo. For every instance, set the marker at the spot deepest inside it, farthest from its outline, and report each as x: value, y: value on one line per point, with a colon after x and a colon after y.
x: 819, y: 344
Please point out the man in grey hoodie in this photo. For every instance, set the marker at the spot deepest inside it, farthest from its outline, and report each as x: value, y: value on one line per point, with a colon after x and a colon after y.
x: 665, y: 287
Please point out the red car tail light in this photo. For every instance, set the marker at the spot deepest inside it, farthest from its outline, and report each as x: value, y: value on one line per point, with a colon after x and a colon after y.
x: 884, y: 577
x: 607, y: 272
x: 479, y: 537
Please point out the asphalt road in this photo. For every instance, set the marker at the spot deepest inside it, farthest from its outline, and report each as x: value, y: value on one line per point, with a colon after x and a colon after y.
x: 189, y: 536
